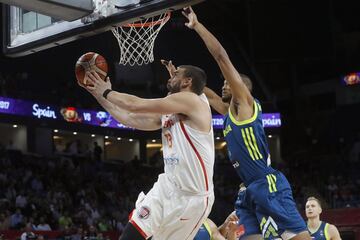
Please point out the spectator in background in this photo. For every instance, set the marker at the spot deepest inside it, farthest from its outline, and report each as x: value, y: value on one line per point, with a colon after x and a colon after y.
x: 28, y: 234
x: 30, y: 223
x: 97, y: 152
x: 8, y: 218
x: 120, y: 226
x: 78, y: 235
x: 37, y: 185
x: 43, y: 226
x: 66, y: 234
x: 10, y: 194
x: 92, y: 234
x: 100, y: 236
x: 65, y: 221
x: 16, y: 219
x: 103, y: 226
x: 115, y: 223
x: 40, y: 237
x: 4, y: 222
x: 95, y: 215
x: 21, y: 201
x: 332, y: 187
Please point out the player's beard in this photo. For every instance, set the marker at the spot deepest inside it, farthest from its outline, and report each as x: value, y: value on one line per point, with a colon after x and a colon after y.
x: 226, y: 98
x: 174, y: 88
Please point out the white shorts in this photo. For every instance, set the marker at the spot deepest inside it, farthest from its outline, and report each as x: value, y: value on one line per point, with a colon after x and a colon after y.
x: 165, y: 213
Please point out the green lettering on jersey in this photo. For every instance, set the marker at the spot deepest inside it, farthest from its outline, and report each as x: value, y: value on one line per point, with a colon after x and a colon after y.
x: 227, y: 130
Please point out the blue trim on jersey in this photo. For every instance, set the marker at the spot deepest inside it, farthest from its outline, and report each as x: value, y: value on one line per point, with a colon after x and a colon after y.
x: 203, y: 233
x: 320, y: 233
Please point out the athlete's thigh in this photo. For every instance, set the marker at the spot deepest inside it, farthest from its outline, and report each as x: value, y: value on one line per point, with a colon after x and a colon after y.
x: 148, y: 212
x: 275, y: 208
x: 247, y: 216
x: 185, y: 222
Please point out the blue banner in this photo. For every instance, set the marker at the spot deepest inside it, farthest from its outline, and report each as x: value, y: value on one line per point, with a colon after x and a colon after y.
x: 95, y: 118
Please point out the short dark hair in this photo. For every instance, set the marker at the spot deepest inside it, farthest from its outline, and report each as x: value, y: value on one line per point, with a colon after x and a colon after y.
x: 198, y: 77
x: 247, y: 81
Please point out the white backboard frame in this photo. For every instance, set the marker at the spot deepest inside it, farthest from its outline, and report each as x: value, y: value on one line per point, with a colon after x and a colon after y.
x: 18, y: 43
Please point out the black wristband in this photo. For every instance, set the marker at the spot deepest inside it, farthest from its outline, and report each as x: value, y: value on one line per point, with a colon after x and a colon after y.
x: 106, y: 93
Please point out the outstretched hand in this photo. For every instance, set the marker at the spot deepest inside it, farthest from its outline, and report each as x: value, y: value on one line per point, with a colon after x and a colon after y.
x: 189, y: 13
x: 232, y: 217
x: 231, y: 224
x: 232, y: 227
x: 169, y: 66
x: 98, y: 86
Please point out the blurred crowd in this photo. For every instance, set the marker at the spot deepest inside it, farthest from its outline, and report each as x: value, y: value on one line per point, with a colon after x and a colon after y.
x: 79, y: 195
x: 60, y: 193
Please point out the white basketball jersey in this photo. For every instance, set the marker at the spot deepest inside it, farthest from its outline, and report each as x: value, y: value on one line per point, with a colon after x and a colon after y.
x: 188, y: 155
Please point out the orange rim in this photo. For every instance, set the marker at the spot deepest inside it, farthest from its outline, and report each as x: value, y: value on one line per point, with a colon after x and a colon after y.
x: 149, y: 24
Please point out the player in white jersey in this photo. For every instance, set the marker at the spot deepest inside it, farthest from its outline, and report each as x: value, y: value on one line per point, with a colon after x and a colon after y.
x: 182, y: 197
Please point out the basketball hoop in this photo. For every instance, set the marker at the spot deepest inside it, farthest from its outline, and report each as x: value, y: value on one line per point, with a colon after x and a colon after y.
x: 136, y: 40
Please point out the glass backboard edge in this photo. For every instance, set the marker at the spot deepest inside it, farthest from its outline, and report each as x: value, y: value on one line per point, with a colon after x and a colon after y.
x: 90, y: 29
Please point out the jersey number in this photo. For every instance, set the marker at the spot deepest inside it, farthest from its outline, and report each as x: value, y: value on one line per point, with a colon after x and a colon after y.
x: 168, y: 139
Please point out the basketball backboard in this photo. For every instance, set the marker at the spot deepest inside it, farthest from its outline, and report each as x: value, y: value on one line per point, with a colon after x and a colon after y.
x: 26, y: 32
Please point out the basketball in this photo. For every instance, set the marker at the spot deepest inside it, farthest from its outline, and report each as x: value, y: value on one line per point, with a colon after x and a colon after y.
x: 90, y: 62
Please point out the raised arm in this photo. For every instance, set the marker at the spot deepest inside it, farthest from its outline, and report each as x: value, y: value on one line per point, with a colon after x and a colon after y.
x: 216, y: 101
x: 141, y: 121
x: 239, y: 89
x: 186, y: 103
x: 181, y: 102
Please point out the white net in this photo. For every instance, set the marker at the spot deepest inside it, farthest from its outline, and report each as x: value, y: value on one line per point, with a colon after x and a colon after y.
x: 136, y: 40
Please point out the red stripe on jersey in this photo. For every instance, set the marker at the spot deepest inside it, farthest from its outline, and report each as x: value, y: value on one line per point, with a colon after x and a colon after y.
x: 207, y: 202
x: 138, y: 228
x: 197, y: 154
x: 131, y: 214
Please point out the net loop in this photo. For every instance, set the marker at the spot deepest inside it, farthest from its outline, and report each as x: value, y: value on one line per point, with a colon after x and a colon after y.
x: 136, y: 40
